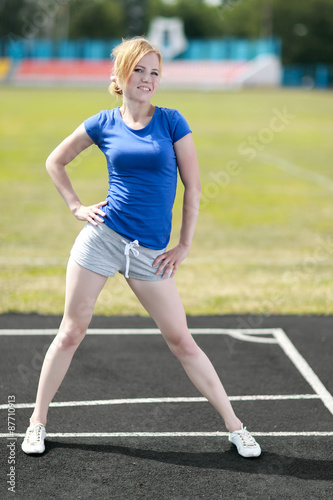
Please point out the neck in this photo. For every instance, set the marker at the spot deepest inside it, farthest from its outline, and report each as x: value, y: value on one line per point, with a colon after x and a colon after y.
x: 136, y: 115
x: 136, y: 112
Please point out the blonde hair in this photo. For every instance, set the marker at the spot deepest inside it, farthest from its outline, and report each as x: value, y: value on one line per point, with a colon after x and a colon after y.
x: 126, y: 56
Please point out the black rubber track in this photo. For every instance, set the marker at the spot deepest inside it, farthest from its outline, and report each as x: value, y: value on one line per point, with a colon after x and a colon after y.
x: 171, y: 468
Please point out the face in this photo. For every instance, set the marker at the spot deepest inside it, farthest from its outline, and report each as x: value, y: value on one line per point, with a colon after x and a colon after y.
x: 144, y: 80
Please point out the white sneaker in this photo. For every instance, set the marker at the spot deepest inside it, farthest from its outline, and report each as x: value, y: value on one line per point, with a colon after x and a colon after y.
x: 245, y: 443
x: 34, y: 439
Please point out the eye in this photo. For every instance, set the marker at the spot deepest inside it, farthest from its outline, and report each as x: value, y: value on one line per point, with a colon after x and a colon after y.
x: 138, y: 70
x: 154, y: 73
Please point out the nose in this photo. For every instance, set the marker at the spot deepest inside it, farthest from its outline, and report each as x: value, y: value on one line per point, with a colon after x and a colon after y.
x: 145, y: 77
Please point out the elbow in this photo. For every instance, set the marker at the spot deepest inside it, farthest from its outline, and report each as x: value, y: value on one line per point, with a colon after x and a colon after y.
x: 48, y: 165
x: 194, y: 188
x: 52, y: 166
x: 197, y: 190
x: 192, y: 197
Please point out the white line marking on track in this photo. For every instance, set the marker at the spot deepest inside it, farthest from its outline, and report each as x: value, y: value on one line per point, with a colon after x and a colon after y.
x: 296, y: 170
x: 105, y: 402
x: 170, y: 434
x: 247, y: 335
x: 303, y: 367
x: 278, y: 336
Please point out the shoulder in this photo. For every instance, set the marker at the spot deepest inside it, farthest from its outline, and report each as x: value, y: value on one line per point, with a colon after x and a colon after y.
x: 171, y: 116
x: 175, y: 122
x: 98, y: 124
x: 103, y: 117
x: 169, y: 113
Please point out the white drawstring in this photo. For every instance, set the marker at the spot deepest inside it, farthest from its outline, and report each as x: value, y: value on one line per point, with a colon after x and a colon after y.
x: 128, y: 247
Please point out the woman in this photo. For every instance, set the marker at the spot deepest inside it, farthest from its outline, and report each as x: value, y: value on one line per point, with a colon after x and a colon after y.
x: 129, y: 232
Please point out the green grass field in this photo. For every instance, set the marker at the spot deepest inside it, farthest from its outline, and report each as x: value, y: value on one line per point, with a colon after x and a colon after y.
x: 264, y: 239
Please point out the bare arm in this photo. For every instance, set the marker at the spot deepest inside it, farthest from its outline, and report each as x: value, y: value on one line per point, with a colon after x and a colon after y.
x: 189, y: 173
x: 56, y: 163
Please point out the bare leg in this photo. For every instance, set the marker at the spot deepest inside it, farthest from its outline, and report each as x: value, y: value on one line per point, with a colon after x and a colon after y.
x: 162, y: 302
x: 82, y: 289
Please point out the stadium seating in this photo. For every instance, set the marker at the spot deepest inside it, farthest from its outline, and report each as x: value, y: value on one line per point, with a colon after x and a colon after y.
x: 5, y: 66
x: 176, y: 74
x: 62, y: 70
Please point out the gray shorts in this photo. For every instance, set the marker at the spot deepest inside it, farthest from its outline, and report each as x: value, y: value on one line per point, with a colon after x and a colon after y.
x: 102, y: 250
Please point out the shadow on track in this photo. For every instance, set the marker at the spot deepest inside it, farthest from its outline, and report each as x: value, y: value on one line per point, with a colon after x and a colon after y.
x: 269, y: 463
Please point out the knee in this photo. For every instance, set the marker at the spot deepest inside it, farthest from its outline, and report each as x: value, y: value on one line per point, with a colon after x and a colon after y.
x: 70, y: 335
x: 183, y: 346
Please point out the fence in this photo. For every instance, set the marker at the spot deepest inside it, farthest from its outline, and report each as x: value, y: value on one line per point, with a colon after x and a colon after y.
x: 308, y: 75
x: 228, y: 49
x: 222, y: 49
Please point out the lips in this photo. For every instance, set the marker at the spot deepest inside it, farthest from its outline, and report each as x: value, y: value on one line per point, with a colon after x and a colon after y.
x: 146, y: 89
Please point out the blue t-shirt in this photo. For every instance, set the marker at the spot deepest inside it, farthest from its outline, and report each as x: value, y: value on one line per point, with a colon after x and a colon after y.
x: 142, y: 171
